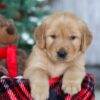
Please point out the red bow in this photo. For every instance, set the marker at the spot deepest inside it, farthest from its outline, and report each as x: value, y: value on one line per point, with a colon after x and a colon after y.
x: 9, y: 53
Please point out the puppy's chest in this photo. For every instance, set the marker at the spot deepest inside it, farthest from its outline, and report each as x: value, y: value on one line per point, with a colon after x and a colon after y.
x: 56, y: 70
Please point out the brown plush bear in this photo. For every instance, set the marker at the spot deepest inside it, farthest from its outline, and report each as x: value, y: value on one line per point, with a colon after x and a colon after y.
x: 9, y: 36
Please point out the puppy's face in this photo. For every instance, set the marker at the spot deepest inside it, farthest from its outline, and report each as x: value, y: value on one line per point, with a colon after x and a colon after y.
x: 63, y: 36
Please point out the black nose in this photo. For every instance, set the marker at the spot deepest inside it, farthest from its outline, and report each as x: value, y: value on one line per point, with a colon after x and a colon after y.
x: 10, y: 30
x: 62, y: 53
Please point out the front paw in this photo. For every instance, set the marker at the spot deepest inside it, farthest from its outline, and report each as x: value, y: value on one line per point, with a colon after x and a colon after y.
x: 71, y: 87
x: 40, y: 90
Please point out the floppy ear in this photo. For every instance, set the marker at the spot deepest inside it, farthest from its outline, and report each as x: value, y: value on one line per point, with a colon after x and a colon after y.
x: 86, y: 38
x: 39, y: 36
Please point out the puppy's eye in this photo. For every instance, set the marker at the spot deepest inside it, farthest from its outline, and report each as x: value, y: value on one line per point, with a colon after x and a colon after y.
x: 73, y: 37
x: 53, y: 36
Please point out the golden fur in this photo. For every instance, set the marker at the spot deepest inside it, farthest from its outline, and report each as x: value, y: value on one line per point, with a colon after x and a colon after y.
x: 60, y: 30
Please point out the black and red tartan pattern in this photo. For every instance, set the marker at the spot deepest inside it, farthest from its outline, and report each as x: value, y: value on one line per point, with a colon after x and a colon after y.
x: 19, y: 89
x: 86, y: 93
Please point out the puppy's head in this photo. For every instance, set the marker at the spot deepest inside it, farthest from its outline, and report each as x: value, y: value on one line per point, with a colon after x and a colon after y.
x: 63, y: 36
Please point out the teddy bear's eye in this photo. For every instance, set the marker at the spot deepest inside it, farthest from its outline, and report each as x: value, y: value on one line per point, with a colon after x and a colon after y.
x: 73, y: 37
x: 53, y: 36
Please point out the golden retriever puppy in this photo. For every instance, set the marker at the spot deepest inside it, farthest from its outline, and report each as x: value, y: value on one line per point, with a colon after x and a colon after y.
x: 61, y: 41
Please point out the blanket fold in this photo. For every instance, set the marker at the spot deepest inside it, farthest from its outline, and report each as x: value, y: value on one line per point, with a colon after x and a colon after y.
x: 19, y: 89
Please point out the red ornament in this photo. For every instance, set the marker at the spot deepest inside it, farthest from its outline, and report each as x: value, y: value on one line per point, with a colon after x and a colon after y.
x: 2, y: 6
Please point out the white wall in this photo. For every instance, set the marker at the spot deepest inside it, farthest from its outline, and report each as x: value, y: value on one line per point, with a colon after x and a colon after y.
x: 89, y: 11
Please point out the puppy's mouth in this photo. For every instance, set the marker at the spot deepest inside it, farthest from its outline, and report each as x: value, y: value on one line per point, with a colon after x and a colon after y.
x: 63, y: 60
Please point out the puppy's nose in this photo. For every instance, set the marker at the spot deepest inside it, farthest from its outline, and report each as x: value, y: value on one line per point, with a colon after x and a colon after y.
x: 62, y: 53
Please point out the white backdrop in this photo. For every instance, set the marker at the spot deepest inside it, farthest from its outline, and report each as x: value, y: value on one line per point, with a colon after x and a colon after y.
x: 89, y: 11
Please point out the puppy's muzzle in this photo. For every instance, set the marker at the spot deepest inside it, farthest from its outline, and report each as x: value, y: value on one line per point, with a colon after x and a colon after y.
x: 62, y: 54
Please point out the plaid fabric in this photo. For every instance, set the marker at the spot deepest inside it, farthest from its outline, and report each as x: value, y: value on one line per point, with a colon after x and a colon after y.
x: 18, y: 89
x: 86, y: 93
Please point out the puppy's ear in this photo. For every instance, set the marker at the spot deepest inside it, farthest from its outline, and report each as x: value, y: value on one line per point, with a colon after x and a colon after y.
x: 39, y: 36
x: 86, y: 38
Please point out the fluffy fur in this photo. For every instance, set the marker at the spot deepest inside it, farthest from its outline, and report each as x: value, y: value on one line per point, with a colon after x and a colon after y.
x: 59, y: 31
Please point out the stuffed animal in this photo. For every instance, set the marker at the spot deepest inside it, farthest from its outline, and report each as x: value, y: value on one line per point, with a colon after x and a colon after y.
x: 9, y: 37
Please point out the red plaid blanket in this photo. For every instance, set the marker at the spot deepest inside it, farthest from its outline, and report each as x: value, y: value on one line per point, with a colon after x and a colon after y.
x: 18, y: 89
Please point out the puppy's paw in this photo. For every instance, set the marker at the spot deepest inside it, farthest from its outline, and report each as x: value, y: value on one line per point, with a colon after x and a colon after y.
x: 71, y: 87
x: 40, y: 90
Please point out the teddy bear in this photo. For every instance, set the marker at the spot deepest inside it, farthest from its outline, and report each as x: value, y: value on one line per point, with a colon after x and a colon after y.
x: 10, y: 36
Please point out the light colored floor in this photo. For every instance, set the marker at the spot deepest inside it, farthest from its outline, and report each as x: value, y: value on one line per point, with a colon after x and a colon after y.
x: 97, y: 95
